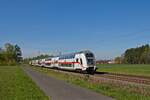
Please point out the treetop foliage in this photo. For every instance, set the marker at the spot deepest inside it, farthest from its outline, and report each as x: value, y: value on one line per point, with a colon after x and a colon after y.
x: 10, y: 54
x: 138, y: 55
x: 42, y: 56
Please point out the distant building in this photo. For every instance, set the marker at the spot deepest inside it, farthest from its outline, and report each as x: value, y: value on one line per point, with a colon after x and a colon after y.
x: 105, y: 62
x: 111, y: 62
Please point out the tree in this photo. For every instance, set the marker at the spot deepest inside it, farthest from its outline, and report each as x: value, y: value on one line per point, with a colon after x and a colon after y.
x: 1, y: 56
x: 41, y: 56
x: 148, y: 56
x: 18, y: 54
x: 118, y: 60
x: 139, y: 55
x: 10, y: 54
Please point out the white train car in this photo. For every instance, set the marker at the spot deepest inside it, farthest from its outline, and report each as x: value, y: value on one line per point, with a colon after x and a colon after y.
x: 41, y: 62
x: 37, y: 62
x: 83, y: 61
x: 48, y: 62
x: 33, y: 62
x: 55, y: 62
x: 80, y: 61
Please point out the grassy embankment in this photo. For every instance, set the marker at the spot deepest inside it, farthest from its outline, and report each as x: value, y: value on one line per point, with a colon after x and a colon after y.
x: 115, y: 90
x: 16, y: 85
x: 135, y: 69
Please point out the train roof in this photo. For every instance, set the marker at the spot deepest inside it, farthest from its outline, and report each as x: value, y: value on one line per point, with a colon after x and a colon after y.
x: 85, y: 51
x: 66, y: 56
x: 72, y: 55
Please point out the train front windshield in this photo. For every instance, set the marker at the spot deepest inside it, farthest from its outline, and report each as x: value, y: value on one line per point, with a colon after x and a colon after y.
x: 90, y: 59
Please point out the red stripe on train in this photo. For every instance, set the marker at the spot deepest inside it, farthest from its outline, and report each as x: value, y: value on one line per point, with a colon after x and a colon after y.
x: 64, y: 63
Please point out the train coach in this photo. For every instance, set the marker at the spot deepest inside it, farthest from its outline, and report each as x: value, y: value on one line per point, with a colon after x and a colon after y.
x: 83, y: 61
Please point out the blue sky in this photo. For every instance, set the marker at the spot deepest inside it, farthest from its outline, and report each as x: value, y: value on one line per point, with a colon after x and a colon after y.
x: 106, y: 27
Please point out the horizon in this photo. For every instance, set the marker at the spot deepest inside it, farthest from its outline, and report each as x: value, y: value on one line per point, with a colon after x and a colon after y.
x: 107, y: 28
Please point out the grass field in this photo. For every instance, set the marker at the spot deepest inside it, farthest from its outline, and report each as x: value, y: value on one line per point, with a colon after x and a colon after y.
x: 135, y: 69
x: 16, y: 85
x: 115, y: 90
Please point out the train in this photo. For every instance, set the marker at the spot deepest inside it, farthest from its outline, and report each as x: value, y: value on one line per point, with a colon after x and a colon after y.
x: 83, y: 61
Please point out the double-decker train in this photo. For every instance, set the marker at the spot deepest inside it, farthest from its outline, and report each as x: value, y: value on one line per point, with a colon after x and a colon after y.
x: 83, y: 61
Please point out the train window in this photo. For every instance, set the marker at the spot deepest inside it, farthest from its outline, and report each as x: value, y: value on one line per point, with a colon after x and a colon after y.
x: 89, y: 55
x: 90, y: 61
x: 77, y: 60
x: 48, y: 64
x: 70, y: 56
x: 81, y: 61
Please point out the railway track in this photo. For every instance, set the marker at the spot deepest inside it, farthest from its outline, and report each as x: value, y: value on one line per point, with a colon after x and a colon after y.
x: 115, y: 77
x: 111, y: 76
x: 124, y: 77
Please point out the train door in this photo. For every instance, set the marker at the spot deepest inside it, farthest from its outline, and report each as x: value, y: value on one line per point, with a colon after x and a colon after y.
x: 77, y: 63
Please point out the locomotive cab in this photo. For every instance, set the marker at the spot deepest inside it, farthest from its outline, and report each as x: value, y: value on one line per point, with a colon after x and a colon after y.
x: 91, y: 63
x: 86, y: 62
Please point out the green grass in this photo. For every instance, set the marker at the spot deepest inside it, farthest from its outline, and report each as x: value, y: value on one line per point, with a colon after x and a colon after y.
x: 115, y: 90
x: 16, y: 85
x: 135, y: 69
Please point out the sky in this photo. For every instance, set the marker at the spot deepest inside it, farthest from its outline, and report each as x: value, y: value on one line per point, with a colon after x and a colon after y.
x: 105, y: 27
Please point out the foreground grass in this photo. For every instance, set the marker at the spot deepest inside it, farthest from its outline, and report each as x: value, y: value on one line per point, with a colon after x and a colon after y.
x: 115, y: 90
x: 16, y: 85
x: 130, y: 69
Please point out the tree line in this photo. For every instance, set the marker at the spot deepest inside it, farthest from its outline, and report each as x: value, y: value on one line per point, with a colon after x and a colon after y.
x: 10, y: 54
x: 138, y: 55
x: 42, y: 56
